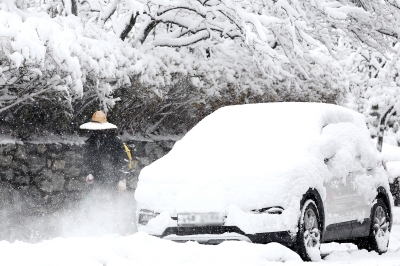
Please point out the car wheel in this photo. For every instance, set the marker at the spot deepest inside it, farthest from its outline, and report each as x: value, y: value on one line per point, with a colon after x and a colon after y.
x: 378, y: 239
x: 308, y: 239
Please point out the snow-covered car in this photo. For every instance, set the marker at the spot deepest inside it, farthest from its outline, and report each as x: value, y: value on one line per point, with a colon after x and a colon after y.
x: 295, y: 173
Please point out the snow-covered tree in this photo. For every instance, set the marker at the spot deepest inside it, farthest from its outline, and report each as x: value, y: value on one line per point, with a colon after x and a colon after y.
x: 89, y: 51
x: 378, y: 90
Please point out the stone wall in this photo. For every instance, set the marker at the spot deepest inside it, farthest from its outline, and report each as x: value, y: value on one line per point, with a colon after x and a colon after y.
x: 38, y: 178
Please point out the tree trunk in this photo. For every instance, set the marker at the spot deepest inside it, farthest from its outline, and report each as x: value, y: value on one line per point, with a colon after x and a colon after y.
x: 129, y: 27
x: 74, y: 8
x: 148, y: 29
x: 381, y: 127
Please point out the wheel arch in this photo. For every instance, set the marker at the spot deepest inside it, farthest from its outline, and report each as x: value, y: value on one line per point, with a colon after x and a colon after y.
x: 313, y: 194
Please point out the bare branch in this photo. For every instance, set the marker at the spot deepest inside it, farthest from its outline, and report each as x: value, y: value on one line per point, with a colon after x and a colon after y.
x: 74, y: 8
x: 129, y: 27
x: 148, y: 29
x: 186, y: 8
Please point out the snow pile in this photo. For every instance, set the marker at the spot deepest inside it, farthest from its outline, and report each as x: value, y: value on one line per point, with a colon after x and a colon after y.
x: 5, y: 139
x: 139, y: 249
x: 391, y: 154
x: 393, y: 169
x: 249, y: 157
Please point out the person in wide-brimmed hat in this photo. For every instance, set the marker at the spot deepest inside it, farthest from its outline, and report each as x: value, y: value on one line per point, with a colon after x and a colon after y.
x: 104, y: 154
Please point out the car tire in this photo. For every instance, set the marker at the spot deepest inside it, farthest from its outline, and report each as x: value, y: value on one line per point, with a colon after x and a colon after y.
x: 308, y: 240
x: 378, y: 239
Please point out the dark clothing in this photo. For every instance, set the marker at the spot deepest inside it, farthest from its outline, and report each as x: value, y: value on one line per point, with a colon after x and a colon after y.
x: 104, y: 158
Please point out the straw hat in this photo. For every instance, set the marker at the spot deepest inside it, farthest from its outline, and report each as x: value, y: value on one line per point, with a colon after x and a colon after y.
x: 99, y: 122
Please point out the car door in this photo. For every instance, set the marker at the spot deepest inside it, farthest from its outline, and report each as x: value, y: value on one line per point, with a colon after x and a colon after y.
x: 344, y: 205
x: 339, y: 199
x: 339, y: 208
x: 360, y: 207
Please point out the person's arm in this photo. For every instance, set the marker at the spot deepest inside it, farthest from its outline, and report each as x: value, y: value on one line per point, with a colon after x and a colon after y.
x: 121, y: 164
x: 88, y: 162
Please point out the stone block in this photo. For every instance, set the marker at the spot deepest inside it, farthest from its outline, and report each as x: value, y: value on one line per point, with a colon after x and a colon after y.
x: 54, y: 148
x: 5, y: 194
x: 8, y: 148
x: 72, y: 171
x: 48, y: 181
x: 167, y: 144
x: 45, y: 185
x: 54, y: 155
x: 35, y: 163
x: 73, y: 158
x: 144, y: 161
x: 58, y: 165
x: 30, y: 148
x: 20, y: 167
x: 149, y: 147
x: 20, y: 153
x: 41, y: 148
x: 159, y: 152
x: 7, y: 175
x: 58, y: 182
x: 24, y: 169
x: 75, y: 185
x: 5, y: 160
x: 22, y: 179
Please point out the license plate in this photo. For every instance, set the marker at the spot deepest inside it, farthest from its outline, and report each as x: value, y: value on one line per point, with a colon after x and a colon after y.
x: 200, y: 219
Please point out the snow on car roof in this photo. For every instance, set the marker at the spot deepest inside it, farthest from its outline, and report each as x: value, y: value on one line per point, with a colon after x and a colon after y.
x: 237, y: 152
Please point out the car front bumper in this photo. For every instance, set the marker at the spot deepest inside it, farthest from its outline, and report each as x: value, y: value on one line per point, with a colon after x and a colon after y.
x: 218, y: 234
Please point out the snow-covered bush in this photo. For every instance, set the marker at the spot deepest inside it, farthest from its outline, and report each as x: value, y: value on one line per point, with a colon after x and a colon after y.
x: 74, y: 56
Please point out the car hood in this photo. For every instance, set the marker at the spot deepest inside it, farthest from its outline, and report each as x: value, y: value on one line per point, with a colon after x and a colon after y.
x: 206, y: 189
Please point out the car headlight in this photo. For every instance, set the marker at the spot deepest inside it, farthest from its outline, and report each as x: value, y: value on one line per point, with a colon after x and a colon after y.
x: 145, y: 216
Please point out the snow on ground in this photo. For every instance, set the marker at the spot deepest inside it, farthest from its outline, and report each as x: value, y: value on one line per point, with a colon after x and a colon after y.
x: 142, y: 249
x: 100, y: 213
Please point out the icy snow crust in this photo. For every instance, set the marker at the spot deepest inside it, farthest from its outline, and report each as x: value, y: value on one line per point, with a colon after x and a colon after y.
x: 247, y: 157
